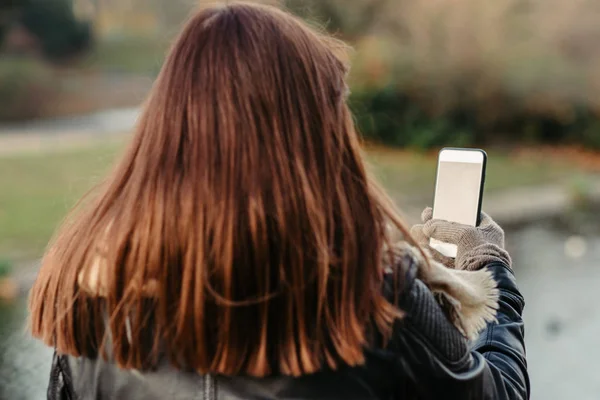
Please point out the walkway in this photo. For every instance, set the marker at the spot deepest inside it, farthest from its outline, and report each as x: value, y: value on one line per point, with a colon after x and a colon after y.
x: 66, y: 132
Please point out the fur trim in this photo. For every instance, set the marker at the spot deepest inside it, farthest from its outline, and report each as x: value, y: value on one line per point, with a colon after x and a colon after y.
x: 469, y: 298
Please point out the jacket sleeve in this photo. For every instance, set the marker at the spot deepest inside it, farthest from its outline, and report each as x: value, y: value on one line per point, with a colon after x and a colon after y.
x: 502, y: 344
x: 442, y: 364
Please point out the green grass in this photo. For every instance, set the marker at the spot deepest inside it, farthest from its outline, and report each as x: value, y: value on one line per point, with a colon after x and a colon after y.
x: 409, y: 174
x: 37, y: 190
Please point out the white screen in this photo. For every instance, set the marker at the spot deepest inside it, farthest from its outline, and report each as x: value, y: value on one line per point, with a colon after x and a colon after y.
x: 457, y: 191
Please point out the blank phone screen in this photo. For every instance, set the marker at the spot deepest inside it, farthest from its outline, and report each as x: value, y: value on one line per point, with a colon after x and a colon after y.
x: 457, y: 192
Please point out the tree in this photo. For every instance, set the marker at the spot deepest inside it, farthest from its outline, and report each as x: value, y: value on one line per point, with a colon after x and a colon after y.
x: 55, y: 25
x: 8, y: 9
x: 52, y: 22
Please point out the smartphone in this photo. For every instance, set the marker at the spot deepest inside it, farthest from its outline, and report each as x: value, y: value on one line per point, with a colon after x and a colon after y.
x: 458, y: 190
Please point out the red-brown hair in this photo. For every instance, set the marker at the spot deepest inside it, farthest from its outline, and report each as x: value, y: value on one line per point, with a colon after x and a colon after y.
x: 240, y: 233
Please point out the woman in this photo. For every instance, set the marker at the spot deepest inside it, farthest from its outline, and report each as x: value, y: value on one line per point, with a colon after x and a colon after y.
x: 239, y: 250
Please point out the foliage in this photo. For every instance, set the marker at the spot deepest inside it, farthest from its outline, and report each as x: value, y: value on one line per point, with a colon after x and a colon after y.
x: 580, y: 193
x: 397, y: 117
x: 54, y: 24
x: 7, y: 12
x: 508, y: 71
x: 26, y: 87
x: 5, y: 268
x: 389, y: 116
x: 425, y: 73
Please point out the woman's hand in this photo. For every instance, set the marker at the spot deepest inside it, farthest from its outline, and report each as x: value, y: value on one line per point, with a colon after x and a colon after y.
x: 423, y: 240
x: 477, y: 246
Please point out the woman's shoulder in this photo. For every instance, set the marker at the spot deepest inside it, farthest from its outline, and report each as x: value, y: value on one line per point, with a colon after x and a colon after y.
x: 427, y: 325
x: 426, y: 328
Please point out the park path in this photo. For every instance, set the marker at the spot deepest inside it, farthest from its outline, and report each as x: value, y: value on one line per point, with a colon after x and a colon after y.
x: 66, y: 132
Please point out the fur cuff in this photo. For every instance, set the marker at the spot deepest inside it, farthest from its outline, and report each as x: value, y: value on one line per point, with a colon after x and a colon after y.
x: 469, y: 298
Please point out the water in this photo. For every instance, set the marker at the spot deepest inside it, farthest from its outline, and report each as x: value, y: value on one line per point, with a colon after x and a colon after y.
x: 24, y: 362
x: 562, y: 314
x: 562, y: 319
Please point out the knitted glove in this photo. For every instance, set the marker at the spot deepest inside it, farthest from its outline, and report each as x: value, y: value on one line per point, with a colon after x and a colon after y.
x: 419, y: 236
x: 477, y: 246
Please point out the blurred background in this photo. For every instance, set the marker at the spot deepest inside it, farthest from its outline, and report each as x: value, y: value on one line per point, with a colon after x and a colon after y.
x: 520, y: 78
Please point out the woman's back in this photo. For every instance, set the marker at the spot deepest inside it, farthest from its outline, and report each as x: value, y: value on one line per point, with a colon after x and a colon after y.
x: 427, y: 358
x: 240, y: 244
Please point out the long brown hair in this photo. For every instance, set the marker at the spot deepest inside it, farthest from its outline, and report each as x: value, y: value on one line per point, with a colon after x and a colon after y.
x: 240, y: 233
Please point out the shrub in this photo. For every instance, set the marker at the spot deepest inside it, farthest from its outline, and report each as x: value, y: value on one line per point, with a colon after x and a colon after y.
x: 396, y: 117
x: 7, y: 11
x: 5, y: 268
x: 26, y: 88
x: 508, y: 71
x: 388, y: 116
x: 54, y: 24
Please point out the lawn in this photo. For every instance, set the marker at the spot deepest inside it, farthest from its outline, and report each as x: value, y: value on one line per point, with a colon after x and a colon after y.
x: 409, y: 175
x: 37, y: 190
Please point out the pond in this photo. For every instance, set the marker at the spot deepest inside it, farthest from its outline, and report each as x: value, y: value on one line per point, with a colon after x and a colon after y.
x: 24, y: 362
x: 558, y: 268
x: 559, y: 275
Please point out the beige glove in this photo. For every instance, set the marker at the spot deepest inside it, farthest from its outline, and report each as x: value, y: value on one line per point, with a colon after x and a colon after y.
x: 417, y: 233
x: 477, y: 246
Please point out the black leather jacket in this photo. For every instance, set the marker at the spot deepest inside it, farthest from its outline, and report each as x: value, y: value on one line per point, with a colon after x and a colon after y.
x: 427, y: 359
